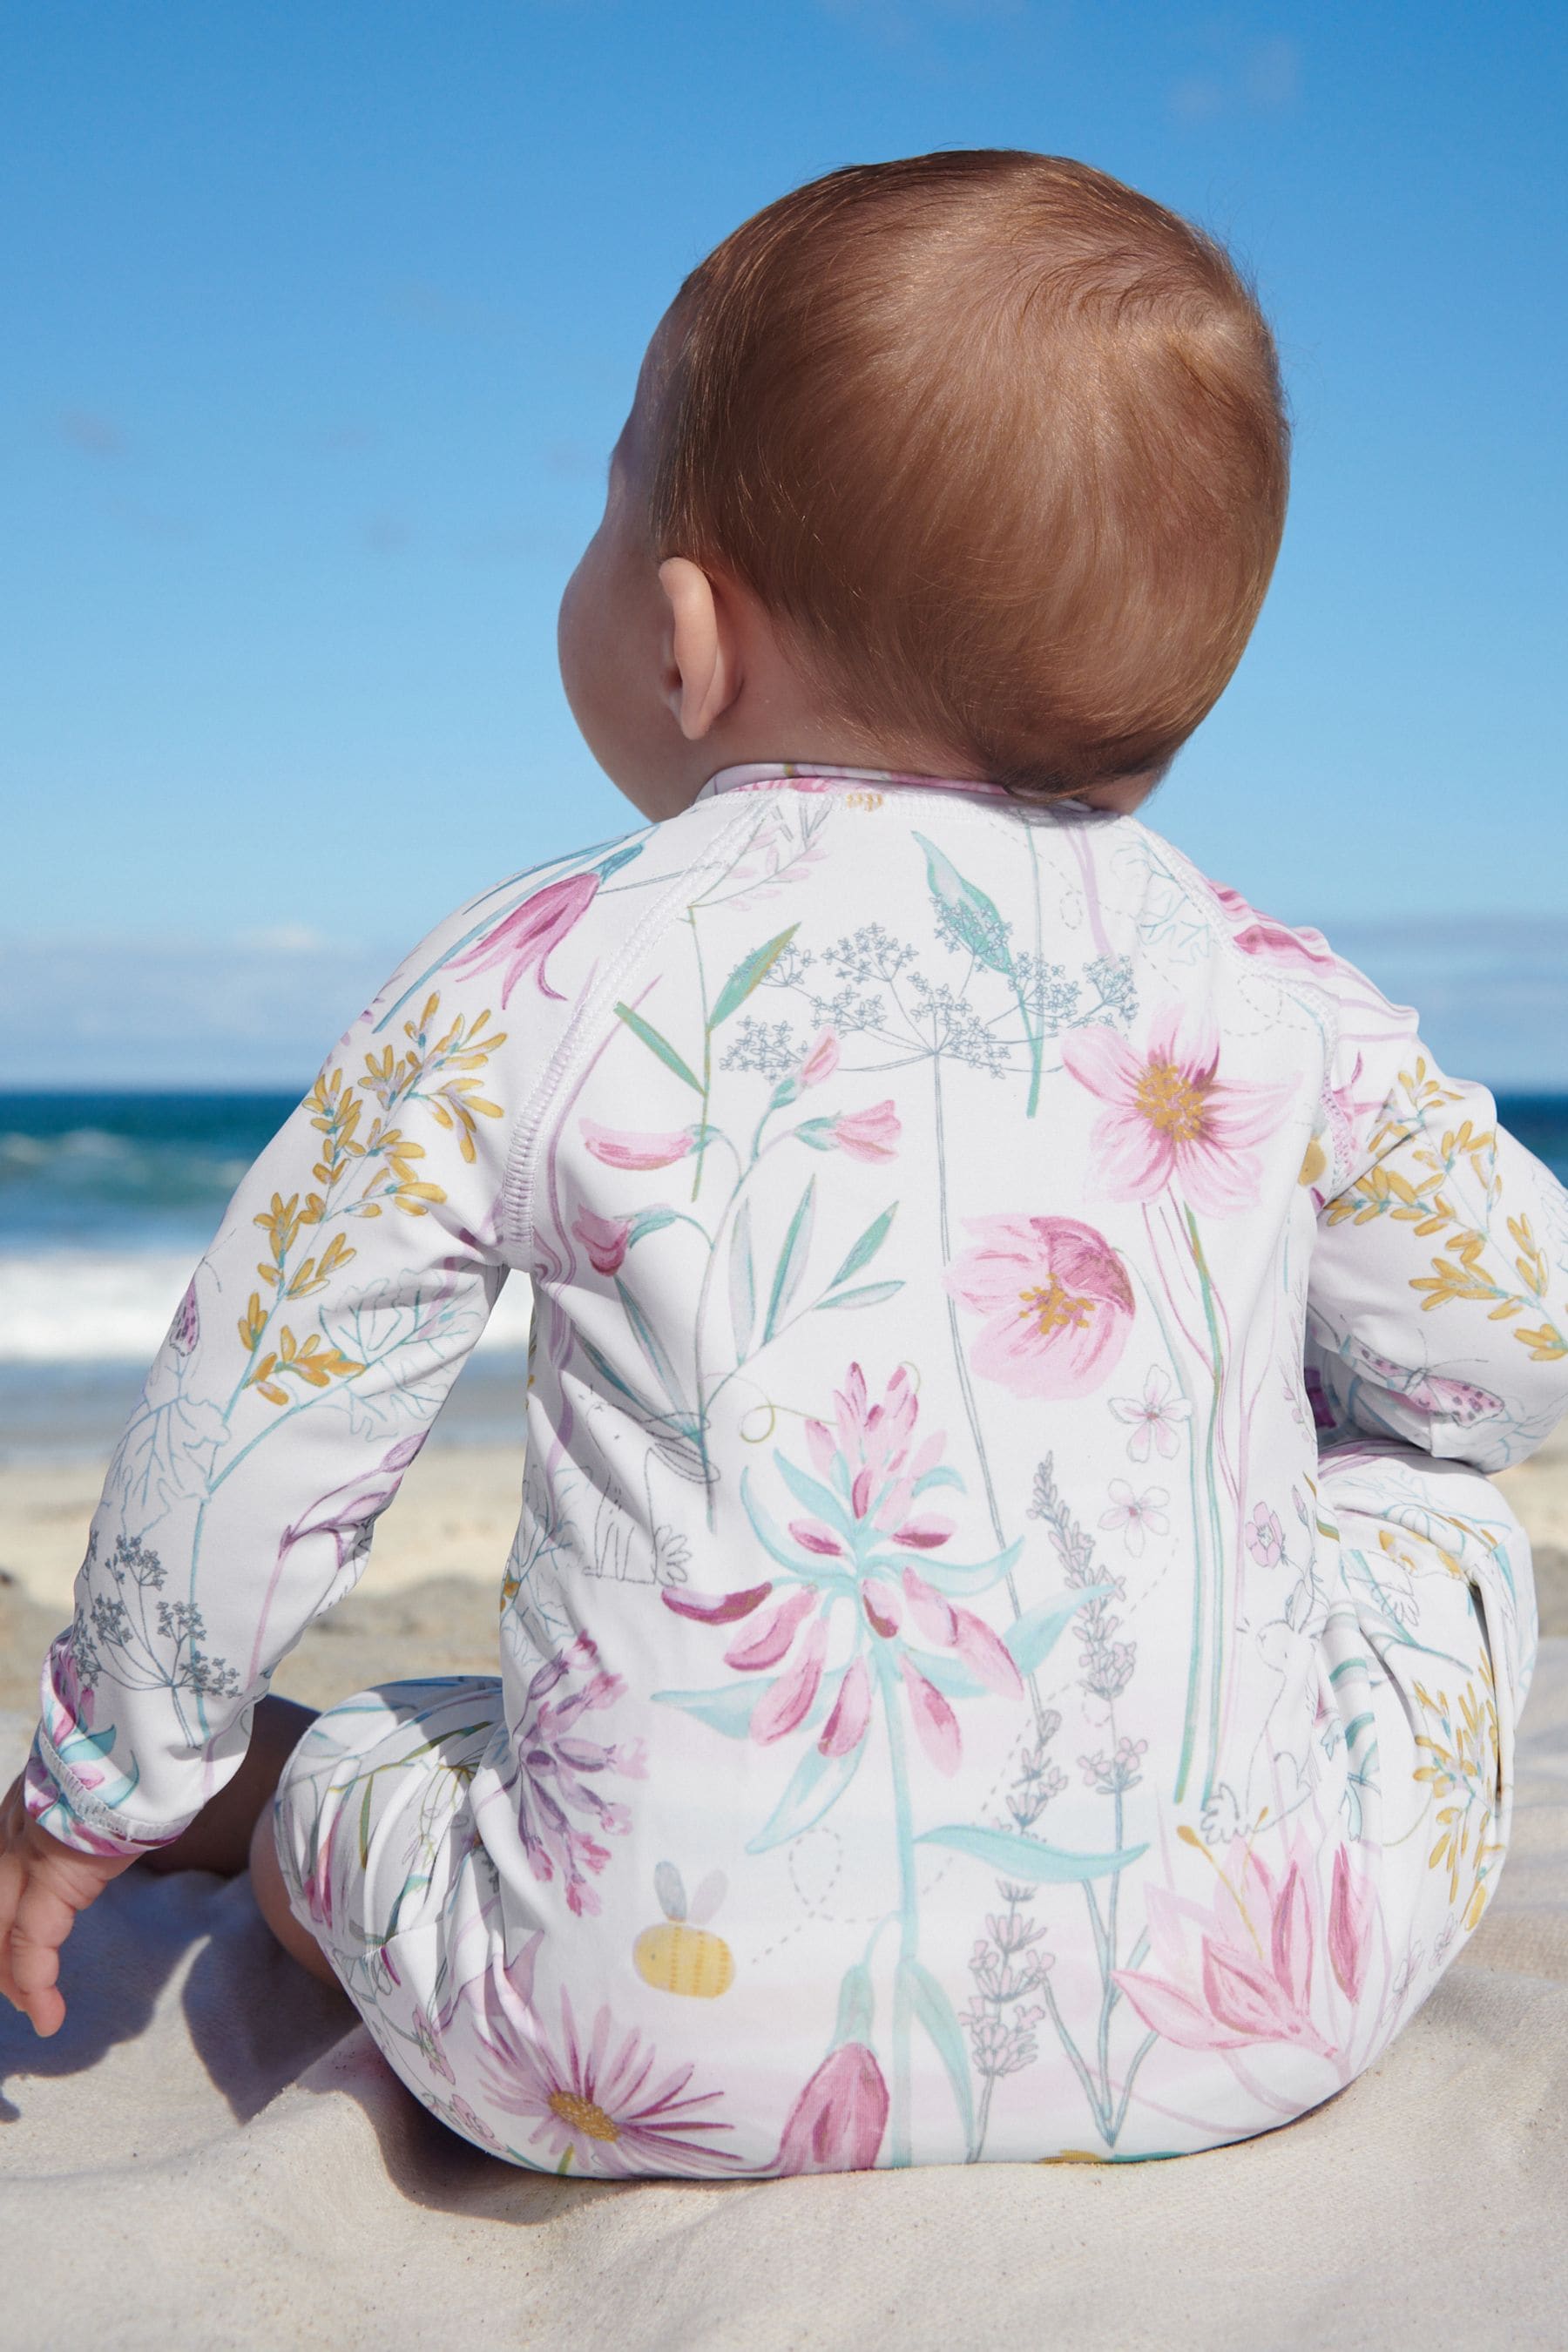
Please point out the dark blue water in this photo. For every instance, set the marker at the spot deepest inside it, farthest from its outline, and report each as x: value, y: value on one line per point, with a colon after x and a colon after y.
x: 141, y: 1171
x: 125, y: 1171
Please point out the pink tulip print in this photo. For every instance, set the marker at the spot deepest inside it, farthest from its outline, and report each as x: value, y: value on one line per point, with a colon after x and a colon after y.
x: 605, y: 1239
x: 838, y: 2122
x: 524, y: 940
x: 1056, y: 1302
x: 638, y: 1150
x: 1303, y: 951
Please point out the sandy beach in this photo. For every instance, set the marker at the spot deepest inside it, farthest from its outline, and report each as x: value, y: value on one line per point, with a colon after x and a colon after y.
x: 426, y: 1602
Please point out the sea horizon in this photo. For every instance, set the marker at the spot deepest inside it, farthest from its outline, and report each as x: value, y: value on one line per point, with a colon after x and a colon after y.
x: 108, y: 1196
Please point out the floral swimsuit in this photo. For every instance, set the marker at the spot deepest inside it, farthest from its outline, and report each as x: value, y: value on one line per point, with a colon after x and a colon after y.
x: 1008, y: 1650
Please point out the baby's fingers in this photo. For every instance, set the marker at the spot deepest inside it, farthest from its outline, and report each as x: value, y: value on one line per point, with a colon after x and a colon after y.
x: 43, y: 1920
x: 12, y: 1879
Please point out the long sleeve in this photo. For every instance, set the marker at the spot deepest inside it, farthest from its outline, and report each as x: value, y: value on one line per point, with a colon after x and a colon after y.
x: 1438, y: 1301
x: 355, y: 1270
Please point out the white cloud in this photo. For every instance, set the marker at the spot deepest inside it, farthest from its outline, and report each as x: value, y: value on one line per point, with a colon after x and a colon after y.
x: 1491, y: 990
x: 264, y: 1008
x: 259, y: 1011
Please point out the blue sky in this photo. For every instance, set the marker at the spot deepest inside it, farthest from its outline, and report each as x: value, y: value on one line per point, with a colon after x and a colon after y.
x: 320, y: 323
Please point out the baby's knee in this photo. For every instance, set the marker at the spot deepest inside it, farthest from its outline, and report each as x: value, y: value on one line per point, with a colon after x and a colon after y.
x: 271, y: 1892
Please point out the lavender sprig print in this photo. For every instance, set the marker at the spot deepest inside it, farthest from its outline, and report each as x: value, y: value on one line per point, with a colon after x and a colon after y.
x: 1106, y: 1666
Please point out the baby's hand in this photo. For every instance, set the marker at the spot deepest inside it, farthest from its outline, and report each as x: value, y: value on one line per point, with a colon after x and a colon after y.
x: 43, y: 1885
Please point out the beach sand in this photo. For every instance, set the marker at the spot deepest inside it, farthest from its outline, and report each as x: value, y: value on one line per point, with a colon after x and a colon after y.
x: 427, y: 1603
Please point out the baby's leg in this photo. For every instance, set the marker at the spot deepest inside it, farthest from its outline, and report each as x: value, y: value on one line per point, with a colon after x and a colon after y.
x: 1433, y: 1657
x: 370, y: 1826
x: 220, y: 1838
x: 272, y: 1902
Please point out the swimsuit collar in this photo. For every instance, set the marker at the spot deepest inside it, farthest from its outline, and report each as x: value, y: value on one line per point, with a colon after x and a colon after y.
x: 806, y: 776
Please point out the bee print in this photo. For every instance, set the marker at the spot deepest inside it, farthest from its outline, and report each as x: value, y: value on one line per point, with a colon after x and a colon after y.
x: 682, y: 1955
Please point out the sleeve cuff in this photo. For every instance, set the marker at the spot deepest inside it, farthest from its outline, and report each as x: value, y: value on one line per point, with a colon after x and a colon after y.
x: 53, y: 1798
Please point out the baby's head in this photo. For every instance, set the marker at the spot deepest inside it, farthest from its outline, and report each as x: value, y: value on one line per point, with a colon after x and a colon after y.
x: 972, y: 464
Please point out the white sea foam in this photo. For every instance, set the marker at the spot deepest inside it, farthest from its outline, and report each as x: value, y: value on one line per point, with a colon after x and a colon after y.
x: 114, y: 1306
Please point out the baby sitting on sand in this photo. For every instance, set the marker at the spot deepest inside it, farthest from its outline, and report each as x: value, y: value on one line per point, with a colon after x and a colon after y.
x: 1009, y: 1652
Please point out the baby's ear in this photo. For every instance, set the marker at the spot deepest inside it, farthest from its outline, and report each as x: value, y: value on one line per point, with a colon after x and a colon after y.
x: 702, y: 667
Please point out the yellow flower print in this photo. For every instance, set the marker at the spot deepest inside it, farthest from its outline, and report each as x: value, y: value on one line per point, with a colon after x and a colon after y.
x: 1464, y: 1771
x: 368, y: 1161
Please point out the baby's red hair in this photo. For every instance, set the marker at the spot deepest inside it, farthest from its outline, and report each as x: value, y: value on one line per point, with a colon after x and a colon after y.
x: 998, y: 441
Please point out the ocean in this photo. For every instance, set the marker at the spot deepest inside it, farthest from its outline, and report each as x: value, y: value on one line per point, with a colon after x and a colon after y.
x: 106, y: 1201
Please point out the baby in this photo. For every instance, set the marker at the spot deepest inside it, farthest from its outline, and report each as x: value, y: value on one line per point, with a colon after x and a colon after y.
x: 1009, y: 1652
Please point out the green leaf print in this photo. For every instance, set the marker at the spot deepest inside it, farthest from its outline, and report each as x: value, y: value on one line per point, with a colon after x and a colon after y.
x: 951, y: 1675
x: 871, y: 1293
x: 814, y: 1788
x: 856, y: 2007
x: 962, y: 1578
x: 865, y: 1248
x: 607, y: 1372
x: 935, y: 2013
x: 749, y: 973
x: 650, y: 1343
x: 659, y: 1045
x: 1034, y: 1636
x: 743, y: 1282
x: 728, y: 1710
x: 1013, y: 1856
x: 971, y: 916
x: 792, y: 1261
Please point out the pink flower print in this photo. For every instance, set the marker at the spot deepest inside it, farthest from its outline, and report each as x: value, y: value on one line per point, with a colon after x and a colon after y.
x: 936, y: 1726
x: 316, y: 1883
x: 1251, y: 1977
x: 599, y: 2101
x: 1272, y: 941
x: 1139, y: 1516
x: 620, y: 1149
x: 1057, y: 1301
x: 1173, y: 1120
x: 764, y: 1644
x: 348, y: 1513
x: 430, y: 2048
x: 869, y: 1135
x: 850, y: 1715
x: 786, y: 1703
x: 717, y: 1608
x: 875, y: 1443
x: 821, y: 1060
x: 837, y: 2122
x: 1156, y: 1418
x: 466, y: 2121
x: 525, y: 939
x: 1352, y: 1907
x: 558, y: 1802
x: 864, y: 1518
x: 959, y: 1629
x: 604, y: 1239
x: 1266, y: 1537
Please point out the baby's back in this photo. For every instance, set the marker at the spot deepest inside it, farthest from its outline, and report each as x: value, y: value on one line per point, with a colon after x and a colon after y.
x: 920, y: 1220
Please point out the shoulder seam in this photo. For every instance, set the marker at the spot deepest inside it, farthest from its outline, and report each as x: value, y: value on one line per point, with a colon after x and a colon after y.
x: 517, y: 1186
